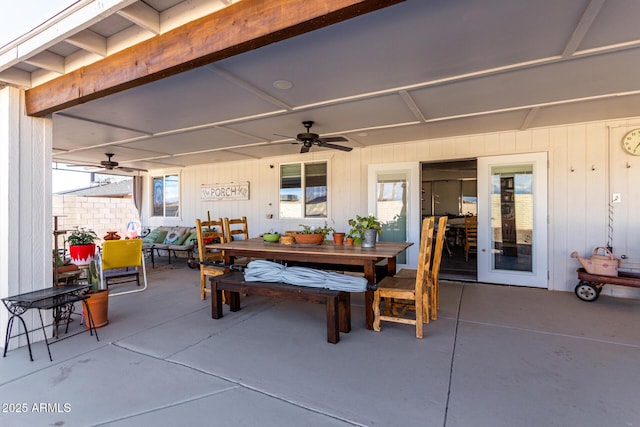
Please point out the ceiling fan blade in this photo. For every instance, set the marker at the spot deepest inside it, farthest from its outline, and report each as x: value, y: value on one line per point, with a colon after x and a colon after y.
x: 334, y: 146
x: 333, y: 139
x: 128, y: 169
x: 84, y: 166
x: 304, y: 148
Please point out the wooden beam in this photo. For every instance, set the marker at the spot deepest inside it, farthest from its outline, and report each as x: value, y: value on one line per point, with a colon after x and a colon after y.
x: 236, y: 29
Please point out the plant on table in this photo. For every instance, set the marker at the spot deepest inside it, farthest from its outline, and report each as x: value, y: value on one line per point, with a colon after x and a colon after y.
x: 360, y: 224
x: 312, y: 235
x: 324, y: 229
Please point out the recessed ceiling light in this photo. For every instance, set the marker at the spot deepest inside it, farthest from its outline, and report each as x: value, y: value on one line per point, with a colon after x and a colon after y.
x: 282, y: 84
x: 363, y: 134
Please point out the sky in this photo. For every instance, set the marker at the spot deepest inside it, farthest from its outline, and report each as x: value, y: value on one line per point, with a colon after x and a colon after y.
x: 63, y: 180
x: 21, y: 16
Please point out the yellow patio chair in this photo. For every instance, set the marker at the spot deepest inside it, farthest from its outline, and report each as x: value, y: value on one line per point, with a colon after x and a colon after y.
x: 118, y: 255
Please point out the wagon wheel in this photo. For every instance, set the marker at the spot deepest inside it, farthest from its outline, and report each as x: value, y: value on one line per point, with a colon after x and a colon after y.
x: 587, y: 291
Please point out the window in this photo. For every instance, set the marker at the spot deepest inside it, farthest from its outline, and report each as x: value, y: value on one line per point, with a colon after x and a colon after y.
x: 166, y: 196
x: 303, y: 190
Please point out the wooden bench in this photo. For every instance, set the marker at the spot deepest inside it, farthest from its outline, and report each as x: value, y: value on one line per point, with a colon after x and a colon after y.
x: 338, y: 303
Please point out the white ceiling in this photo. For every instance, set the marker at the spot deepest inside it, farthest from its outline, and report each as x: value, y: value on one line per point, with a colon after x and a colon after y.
x: 416, y: 70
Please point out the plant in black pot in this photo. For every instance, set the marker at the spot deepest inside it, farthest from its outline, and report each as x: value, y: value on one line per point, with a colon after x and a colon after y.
x: 82, y: 247
x: 365, y: 229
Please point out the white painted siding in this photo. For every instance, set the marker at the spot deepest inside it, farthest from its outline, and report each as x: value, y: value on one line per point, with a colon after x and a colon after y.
x: 586, y: 165
x: 25, y: 205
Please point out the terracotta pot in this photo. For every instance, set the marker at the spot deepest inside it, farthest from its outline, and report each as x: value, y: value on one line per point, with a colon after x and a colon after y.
x: 82, y: 254
x: 309, y: 239
x: 338, y: 238
x: 112, y: 235
x: 348, y: 241
x: 99, y: 306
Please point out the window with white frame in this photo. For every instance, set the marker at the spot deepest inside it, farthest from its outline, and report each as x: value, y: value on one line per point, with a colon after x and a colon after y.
x: 303, y: 190
x: 166, y: 196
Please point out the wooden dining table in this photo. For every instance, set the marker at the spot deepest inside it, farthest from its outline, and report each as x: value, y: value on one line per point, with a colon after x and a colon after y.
x: 327, y: 255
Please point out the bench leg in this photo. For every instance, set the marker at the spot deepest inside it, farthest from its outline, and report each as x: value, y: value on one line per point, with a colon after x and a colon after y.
x: 344, y: 310
x: 333, y: 328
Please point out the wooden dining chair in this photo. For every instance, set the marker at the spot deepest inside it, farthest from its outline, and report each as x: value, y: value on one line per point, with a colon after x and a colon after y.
x: 411, y: 290
x: 470, y: 236
x: 237, y: 229
x: 432, y: 302
x: 207, y: 235
x: 434, y: 274
x: 234, y: 228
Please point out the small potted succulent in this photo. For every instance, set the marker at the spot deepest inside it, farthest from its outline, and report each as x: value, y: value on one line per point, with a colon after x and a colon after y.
x: 365, y: 229
x: 82, y: 245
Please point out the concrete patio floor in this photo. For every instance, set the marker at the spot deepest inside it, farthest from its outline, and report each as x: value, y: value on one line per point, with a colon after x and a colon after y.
x: 496, y: 356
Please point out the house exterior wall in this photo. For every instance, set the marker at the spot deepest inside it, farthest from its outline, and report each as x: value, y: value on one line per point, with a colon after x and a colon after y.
x: 25, y: 205
x: 586, y: 165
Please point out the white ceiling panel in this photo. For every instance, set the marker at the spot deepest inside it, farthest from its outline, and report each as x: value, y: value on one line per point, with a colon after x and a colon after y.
x: 600, y: 75
x: 406, y: 44
x: 602, y: 109
x: 188, y: 99
x: 334, y: 119
x: 70, y: 133
x: 205, y: 139
x: 619, y: 14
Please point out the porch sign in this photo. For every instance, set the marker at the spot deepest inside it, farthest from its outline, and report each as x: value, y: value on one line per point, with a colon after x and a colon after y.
x: 229, y: 191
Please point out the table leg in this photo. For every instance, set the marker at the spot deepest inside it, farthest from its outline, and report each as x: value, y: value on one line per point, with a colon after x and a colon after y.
x: 216, y: 300
x: 391, y: 267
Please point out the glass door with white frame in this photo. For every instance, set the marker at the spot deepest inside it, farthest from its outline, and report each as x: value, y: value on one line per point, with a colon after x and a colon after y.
x: 512, y: 219
x: 393, y: 195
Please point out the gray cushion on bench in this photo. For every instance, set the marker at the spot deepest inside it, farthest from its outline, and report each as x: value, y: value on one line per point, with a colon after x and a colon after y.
x: 267, y: 271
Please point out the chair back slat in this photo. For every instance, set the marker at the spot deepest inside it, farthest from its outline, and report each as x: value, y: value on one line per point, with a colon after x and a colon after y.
x: 231, y: 233
x: 205, y: 230
x: 437, y: 253
x: 424, y: 256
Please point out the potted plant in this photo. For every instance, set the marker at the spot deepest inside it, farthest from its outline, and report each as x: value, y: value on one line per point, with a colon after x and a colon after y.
x: 98, y: 301
x: 82, y: 245
x: 365, y: 230
x: 338, y: 238
x: 312, y: 235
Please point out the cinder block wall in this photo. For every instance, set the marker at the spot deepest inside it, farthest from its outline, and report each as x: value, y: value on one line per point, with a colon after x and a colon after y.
x: 101, y: 214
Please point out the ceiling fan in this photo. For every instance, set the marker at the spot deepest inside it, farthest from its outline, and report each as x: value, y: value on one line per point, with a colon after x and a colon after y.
x: 308, y: 139
x: 111, y: 165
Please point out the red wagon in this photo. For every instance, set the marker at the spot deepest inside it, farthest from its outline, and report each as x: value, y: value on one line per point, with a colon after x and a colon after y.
x: 590, y: 285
